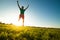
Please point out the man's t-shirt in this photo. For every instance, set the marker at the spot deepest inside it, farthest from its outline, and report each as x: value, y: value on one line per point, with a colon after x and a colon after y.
x: 22, y: 11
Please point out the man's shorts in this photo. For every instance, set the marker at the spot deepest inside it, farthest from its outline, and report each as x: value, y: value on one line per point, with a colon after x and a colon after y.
x: 21, y: 16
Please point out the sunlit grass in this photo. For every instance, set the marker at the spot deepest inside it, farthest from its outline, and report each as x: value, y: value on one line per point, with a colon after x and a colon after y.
x: 13, y: 32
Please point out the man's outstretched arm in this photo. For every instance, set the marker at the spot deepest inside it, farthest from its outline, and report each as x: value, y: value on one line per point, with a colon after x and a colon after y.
x: 26, y: 7
x: 18, y: 4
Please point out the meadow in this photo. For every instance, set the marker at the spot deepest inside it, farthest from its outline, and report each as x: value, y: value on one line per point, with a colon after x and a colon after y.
x: 12, y: 32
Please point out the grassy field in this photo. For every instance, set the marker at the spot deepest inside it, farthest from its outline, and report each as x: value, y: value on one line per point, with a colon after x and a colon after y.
x: 12, y: 32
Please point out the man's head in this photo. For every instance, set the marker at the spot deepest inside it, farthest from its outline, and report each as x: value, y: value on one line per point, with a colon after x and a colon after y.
x: 22, y: 7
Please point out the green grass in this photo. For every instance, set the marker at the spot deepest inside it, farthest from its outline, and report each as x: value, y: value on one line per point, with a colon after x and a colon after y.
x: 12, y: 32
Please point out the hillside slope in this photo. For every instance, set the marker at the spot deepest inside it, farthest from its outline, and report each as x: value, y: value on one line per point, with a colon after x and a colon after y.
x: 12, y: 32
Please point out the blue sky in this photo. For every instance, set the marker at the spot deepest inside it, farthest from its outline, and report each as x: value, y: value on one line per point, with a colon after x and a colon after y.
x: 44, y: 13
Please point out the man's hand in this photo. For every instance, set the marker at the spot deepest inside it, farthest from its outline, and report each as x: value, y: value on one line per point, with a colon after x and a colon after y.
x: 18, y: 4
x: 17, y: 0
x: 28, y: 5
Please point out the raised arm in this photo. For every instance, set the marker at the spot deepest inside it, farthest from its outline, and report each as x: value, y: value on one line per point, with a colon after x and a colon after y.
x: 18, y: 4
x: 26, y: 7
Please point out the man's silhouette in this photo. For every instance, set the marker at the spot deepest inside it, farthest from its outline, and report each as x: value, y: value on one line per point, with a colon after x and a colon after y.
x: 22, y: 10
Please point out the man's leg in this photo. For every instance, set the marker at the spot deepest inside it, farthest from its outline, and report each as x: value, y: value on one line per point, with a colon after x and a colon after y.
x: 23, y: 19
x: 19, y: 17
x: 23, y: 22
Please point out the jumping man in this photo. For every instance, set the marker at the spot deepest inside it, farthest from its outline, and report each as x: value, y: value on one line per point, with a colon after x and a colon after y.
x: 22, y: 10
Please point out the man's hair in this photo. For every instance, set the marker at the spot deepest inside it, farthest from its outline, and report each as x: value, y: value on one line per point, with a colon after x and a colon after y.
x: 22, y: 7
